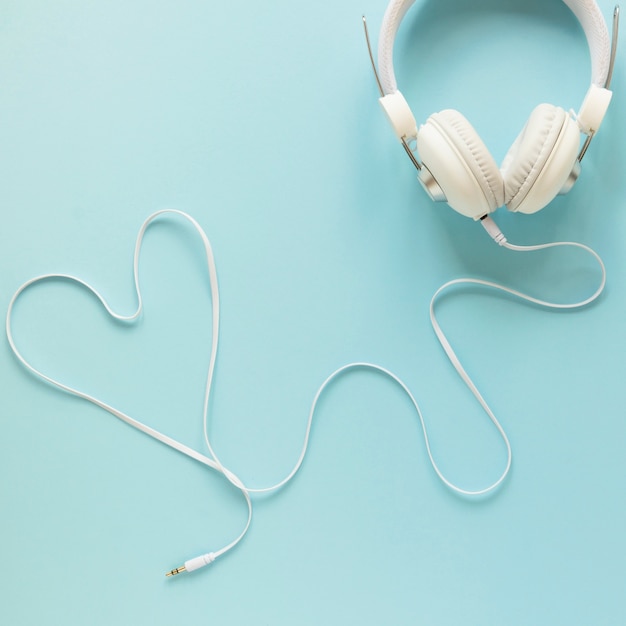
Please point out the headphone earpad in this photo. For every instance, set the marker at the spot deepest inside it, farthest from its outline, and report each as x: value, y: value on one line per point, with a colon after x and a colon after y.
x: 460, y: 163
x: 541, y: 159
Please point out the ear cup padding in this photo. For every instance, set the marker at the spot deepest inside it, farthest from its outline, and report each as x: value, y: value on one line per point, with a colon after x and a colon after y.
x: 459, y: 161
x: 540, y: 160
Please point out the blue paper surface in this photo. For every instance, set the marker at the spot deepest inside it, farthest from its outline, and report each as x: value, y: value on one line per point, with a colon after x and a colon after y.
x: 262, y: 121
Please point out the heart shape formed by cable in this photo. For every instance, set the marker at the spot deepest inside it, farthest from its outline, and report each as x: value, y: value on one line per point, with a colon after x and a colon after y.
x: 211, y: 461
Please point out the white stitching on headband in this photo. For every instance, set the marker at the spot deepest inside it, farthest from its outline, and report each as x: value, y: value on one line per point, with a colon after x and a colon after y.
x: 586, y: 11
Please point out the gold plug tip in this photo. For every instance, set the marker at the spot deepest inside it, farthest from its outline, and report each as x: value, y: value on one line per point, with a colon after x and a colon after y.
x: 176, y: 571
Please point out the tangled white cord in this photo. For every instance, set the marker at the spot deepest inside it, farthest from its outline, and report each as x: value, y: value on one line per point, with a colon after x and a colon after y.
x: 213, y: 460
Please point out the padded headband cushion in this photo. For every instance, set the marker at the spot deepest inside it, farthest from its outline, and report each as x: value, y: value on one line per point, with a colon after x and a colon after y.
x: 586, y: 11
x: 540, y: 160
x: 458, y: 159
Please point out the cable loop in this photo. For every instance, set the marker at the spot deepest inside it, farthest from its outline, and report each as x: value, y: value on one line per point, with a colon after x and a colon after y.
x: 213, y: 461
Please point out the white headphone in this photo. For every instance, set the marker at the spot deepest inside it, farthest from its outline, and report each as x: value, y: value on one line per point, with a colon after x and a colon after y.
x: 454, y: 164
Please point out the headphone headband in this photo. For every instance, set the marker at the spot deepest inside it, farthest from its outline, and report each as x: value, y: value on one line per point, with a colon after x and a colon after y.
x: 586, y: 11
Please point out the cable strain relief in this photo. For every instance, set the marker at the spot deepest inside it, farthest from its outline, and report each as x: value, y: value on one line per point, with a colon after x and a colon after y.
x: 199, y: 561
x: 492, y: 230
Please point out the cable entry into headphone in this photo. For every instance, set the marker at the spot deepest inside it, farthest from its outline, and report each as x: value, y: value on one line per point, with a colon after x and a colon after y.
x: 496, y: 234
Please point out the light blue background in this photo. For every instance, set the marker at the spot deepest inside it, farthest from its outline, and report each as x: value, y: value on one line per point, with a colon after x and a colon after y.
x: 261, y: 120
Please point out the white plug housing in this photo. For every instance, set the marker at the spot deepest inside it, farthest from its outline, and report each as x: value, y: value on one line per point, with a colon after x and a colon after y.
x: 199, y: 561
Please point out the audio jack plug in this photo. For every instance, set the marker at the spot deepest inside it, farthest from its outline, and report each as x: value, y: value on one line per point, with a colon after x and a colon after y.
x: 193, y: 564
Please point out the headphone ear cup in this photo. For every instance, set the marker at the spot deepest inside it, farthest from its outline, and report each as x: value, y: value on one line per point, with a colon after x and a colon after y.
x: 453, y: 152
x: 541, y: 159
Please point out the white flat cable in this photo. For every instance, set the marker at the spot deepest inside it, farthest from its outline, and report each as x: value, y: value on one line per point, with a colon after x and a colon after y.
x: 213, y: 460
